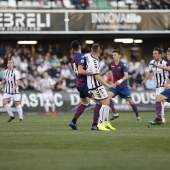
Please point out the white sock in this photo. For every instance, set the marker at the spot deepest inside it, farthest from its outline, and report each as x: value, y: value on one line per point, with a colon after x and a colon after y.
x: 46, y: 106
x: 53, y: 107
x: 162, y: 113
x: 9, y: 110
x: 103, y: 114
x: 20, y: 111
x: 167, y: 105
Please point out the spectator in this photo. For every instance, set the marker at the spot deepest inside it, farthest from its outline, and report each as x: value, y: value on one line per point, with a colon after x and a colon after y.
x: 2, y: 51
x: 42, y: 68
x: 37, y: 83
x: 65, y: 60
x: 47, y: 62
x: 24, y: 84
x: 16, y: 59
x: 133, y: 74
x: 31, y: 65
x: 143, y: 4
x: 57, y: 51
x: 40, y: 49
x: 66, y: 74
x: 24, y: 65
x: 39, y: 60
x: 55, y: 62
x: 150, y: 83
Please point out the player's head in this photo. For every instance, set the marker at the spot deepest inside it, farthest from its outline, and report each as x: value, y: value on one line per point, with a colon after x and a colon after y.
x: 168, y: 53
x: 10, y: 64
x: 75, y: 45
x: 45, y: 75
x: 116, y: 55
x: 96, y: 49
x: 157, y: 53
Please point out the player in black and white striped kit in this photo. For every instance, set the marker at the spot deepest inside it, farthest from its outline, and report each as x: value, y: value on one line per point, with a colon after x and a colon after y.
x: 96, y: 87
x: 11, y: 81
x: 160, y: 76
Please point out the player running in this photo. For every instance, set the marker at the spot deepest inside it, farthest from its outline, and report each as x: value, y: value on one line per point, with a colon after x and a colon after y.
x: 165, y: 94
x: 11, y: 80
x: 96, y: 86
x: 161, y: 79
x: 47, y: 85
x: 120, y: 76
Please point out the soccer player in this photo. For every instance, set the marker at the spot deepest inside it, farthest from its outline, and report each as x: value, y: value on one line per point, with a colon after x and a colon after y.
x: 11, y: 81
x: 164, y: 95
x: 160, y: 76
x: 96, y: 86
x: 47, y: 85
x: 78, y: 63
x: 120, y: 76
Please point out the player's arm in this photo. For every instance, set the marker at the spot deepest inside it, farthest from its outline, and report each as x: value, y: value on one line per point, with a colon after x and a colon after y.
x: 83, y: 72
x: 2, y: 83
x: 167, y: 68
x: 104, y: 71
x: 125, y: 77
x: 17, y: 85
x: 149, y: 74
x: 100, y: 80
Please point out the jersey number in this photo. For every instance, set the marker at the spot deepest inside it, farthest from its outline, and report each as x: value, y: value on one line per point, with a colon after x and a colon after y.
x: 75, y: 68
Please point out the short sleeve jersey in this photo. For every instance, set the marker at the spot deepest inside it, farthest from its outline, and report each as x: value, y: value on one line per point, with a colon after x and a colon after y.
x: 77, y: 60
x: 118, y: 71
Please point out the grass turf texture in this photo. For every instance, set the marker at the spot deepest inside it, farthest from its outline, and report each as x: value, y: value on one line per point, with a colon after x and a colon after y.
x: 47, y: 143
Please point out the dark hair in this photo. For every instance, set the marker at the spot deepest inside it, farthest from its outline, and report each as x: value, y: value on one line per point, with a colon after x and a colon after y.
x: 158, y: 49
x: 117, y: 51
x: 168, y: 50
x: 95, y: 47
x: 75, y: 45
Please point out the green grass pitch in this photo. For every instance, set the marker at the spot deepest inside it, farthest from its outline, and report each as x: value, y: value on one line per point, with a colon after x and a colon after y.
x: 47, y: 143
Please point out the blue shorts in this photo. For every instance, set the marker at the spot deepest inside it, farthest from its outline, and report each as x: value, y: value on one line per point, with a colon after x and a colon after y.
x: 122, y: 91
x: 84, y: 92
x: 166, y: 93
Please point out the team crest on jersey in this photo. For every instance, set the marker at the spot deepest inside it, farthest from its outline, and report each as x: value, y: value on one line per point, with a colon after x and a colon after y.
x: 82, y: 61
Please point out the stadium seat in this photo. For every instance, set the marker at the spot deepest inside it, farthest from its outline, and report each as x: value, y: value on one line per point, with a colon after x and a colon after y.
x: 102, y: 4
x: 67, y: 4
x: 3, y: 3
x: 12, y: 3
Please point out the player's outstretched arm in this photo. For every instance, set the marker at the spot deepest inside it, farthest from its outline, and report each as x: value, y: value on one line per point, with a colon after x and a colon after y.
x: 2, y: 84
x: 100, y: 80
x: 161, y: 67
x: 147, y: 76
x: 104, y: 71
x: 83, y: 72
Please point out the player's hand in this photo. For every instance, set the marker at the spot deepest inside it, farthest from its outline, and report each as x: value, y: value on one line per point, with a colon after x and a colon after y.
x: 112, y: 86
x: 143, y: 82
x: 13, y: 89
x: 153, y: 64
x: 166, y: 86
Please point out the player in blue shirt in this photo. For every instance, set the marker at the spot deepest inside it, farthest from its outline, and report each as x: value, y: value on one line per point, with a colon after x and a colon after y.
x: 120, y: 76
x: 78, y: 63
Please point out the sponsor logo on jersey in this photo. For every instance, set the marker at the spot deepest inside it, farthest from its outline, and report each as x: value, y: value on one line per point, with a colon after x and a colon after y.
x: 82, y: 61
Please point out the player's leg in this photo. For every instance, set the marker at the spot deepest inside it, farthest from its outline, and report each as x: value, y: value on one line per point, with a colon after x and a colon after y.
x: 84, y: 94
x: 135, y: 108
x: 16, y: 98
x: 51, y: 98
x: 6, y: 98
x: 46, y: 107
x: 104, y: 116
x: 159, y: 99
x: 112, y: 93
x: 159, y: 91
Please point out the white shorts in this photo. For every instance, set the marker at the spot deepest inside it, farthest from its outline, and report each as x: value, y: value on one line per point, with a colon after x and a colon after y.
x: 159, y: 90
x: 48, y: 97
x: 100, y: 93
x: 15, y: 97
